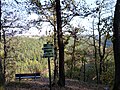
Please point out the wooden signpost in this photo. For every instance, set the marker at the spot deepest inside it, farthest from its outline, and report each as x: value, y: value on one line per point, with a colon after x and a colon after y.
x: 48, y: 52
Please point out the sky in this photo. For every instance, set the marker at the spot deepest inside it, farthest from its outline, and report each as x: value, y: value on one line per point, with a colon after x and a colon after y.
x: 75, y: 22
x: 86, y: 22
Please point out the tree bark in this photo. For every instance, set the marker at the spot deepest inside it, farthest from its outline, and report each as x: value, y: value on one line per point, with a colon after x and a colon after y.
x: 1, y: 66
x: 60, y: 45
x: 99, y: 47
x: 84, y: 69
x: 5, y: 56
x: 1, y: 73
x: 73, y: 55
x: 95, y: 54
x: 116, y: 45
x: 55, y: 53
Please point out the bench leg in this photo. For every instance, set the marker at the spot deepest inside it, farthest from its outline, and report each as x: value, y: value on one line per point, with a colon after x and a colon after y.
x: 19, y: 79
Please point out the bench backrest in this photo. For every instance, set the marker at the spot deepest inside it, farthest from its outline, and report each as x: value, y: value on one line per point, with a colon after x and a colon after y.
x: 27, y: 74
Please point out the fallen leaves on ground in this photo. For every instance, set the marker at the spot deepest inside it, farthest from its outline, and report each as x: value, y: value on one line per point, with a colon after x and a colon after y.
x: 43, y: 84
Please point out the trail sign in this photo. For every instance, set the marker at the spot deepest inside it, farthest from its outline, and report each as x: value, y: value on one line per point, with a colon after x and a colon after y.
x: 48, y: 50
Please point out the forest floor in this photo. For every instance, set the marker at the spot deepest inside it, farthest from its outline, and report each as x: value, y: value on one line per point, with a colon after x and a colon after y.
x: 43, y: 84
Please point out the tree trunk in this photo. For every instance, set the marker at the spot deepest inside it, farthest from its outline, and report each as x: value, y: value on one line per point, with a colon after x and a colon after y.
x: 60, y: 45
x: 99, y: 48
x: 1, y: 73
x: 5, y: 56
x: 116, y: 45
x: 73, y: 57
x: 55, y: 58
x: 1, y: 66
x: 84, y: 70
x: 95, y: 54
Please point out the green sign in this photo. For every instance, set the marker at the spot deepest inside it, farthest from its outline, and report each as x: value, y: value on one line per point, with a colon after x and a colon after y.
x: 48, y: 50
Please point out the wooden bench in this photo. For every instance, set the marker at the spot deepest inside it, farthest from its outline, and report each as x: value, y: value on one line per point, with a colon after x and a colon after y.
x: 27, y: 76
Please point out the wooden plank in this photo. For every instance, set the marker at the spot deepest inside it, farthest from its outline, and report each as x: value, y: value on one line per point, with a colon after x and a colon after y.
x: 27, y: 75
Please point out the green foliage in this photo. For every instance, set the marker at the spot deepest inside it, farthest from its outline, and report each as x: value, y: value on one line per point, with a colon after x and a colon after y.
x: 84, y: 53
x: 75, y: 72
x: 24, y: 55
x: 108, y: 75
x: 30, y: 55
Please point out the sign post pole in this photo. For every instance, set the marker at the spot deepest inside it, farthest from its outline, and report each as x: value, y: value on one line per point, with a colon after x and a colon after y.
x: 49, y: 73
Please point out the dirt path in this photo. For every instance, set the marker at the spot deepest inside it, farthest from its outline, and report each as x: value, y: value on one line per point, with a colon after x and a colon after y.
x: 43, y: 84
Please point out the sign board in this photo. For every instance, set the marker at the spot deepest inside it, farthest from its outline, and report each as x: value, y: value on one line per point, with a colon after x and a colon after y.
x: 48, y: 50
